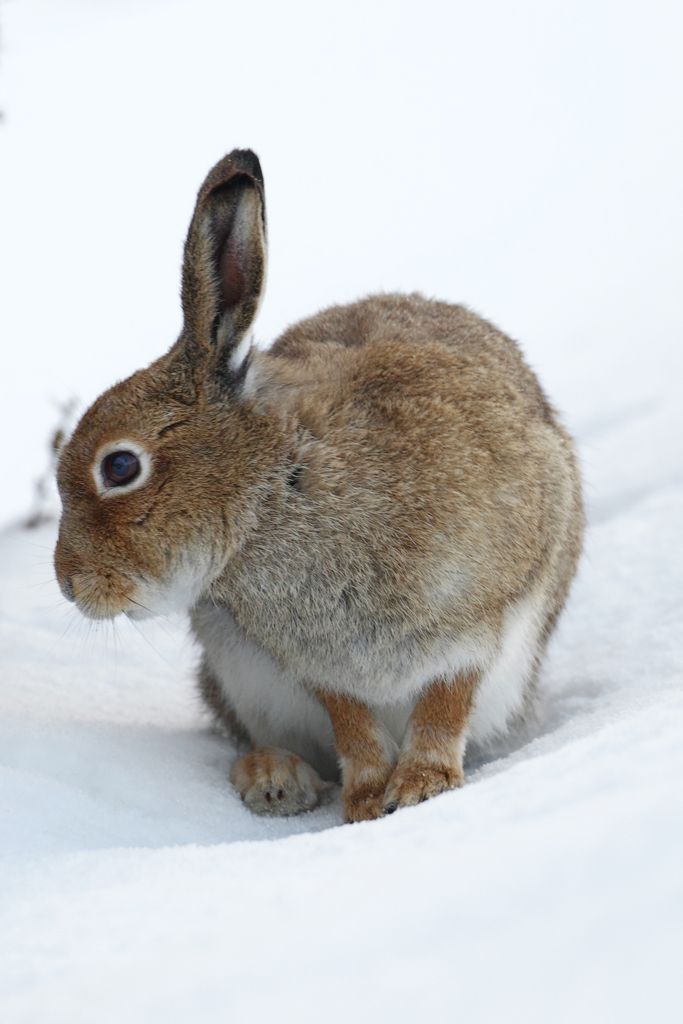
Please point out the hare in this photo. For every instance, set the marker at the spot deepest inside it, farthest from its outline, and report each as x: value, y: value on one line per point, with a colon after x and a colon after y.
x: 374, y: 524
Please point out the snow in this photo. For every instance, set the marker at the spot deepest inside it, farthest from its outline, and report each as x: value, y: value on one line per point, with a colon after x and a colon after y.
x: 133, y: 883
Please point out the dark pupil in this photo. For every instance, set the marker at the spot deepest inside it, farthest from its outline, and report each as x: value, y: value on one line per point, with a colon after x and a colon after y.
x: 120, y: 468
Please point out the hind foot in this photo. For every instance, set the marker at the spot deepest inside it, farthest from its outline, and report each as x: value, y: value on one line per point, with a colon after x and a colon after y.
x: 273, y: 781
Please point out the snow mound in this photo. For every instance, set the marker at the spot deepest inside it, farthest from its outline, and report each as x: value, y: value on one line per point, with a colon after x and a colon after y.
x: 135, y: 882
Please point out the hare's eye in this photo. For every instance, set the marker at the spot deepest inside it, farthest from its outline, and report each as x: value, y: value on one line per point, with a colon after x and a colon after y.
x: 120, y: 468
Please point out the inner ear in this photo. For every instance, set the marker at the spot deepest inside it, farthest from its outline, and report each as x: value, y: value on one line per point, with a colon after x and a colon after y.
x: 231, y: 275
x: 238, y: 232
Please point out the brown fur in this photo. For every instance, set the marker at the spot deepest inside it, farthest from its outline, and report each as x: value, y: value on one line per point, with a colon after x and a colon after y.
x: 431, y: 760
x: 362, y: 505
x: 362, y: 749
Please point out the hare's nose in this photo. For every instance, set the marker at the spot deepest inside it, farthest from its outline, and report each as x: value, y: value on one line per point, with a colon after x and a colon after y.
x: 67, y: 588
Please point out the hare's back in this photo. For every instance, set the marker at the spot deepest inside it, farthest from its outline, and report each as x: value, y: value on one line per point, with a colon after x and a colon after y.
x: 476, y: 354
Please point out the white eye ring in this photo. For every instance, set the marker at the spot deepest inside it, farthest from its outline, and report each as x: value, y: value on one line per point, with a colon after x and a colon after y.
x: 105, y: 489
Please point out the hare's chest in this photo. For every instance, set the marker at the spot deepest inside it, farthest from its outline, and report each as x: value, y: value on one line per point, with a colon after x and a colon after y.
x: 338, y: 621
x: 313, y: 619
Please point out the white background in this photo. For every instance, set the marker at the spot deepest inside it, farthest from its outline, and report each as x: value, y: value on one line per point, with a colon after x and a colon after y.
x: 523, y: 158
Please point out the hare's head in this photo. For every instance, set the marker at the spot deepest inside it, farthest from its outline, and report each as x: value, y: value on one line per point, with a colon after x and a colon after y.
x: 158, y: 482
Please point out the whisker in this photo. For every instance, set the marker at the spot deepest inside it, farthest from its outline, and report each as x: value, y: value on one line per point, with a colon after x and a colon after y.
x: 161, y: 620
x: 55, y: 606
x: 149, y: 643
x: 71, y: 623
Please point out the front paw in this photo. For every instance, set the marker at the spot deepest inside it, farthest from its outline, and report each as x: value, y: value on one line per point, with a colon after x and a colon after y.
x: 413, y: 781
x: 363, y: 793
x: 274, y: 782
x: 364, y: 803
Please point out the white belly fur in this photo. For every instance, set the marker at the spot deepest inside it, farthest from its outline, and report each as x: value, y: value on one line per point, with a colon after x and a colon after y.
x: 278, y: 711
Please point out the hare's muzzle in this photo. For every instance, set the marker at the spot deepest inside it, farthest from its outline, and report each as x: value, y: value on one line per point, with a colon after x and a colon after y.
x: 98, y: 594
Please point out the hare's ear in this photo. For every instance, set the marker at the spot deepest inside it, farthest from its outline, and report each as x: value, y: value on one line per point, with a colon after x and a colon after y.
x: 225, y: 256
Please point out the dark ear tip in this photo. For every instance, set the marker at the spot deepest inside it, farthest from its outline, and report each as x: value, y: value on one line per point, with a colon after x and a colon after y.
x: 246, y: 162
x: 235, y: 164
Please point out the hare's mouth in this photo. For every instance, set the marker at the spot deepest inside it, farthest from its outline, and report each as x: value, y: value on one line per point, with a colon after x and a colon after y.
x: 102, y: 595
